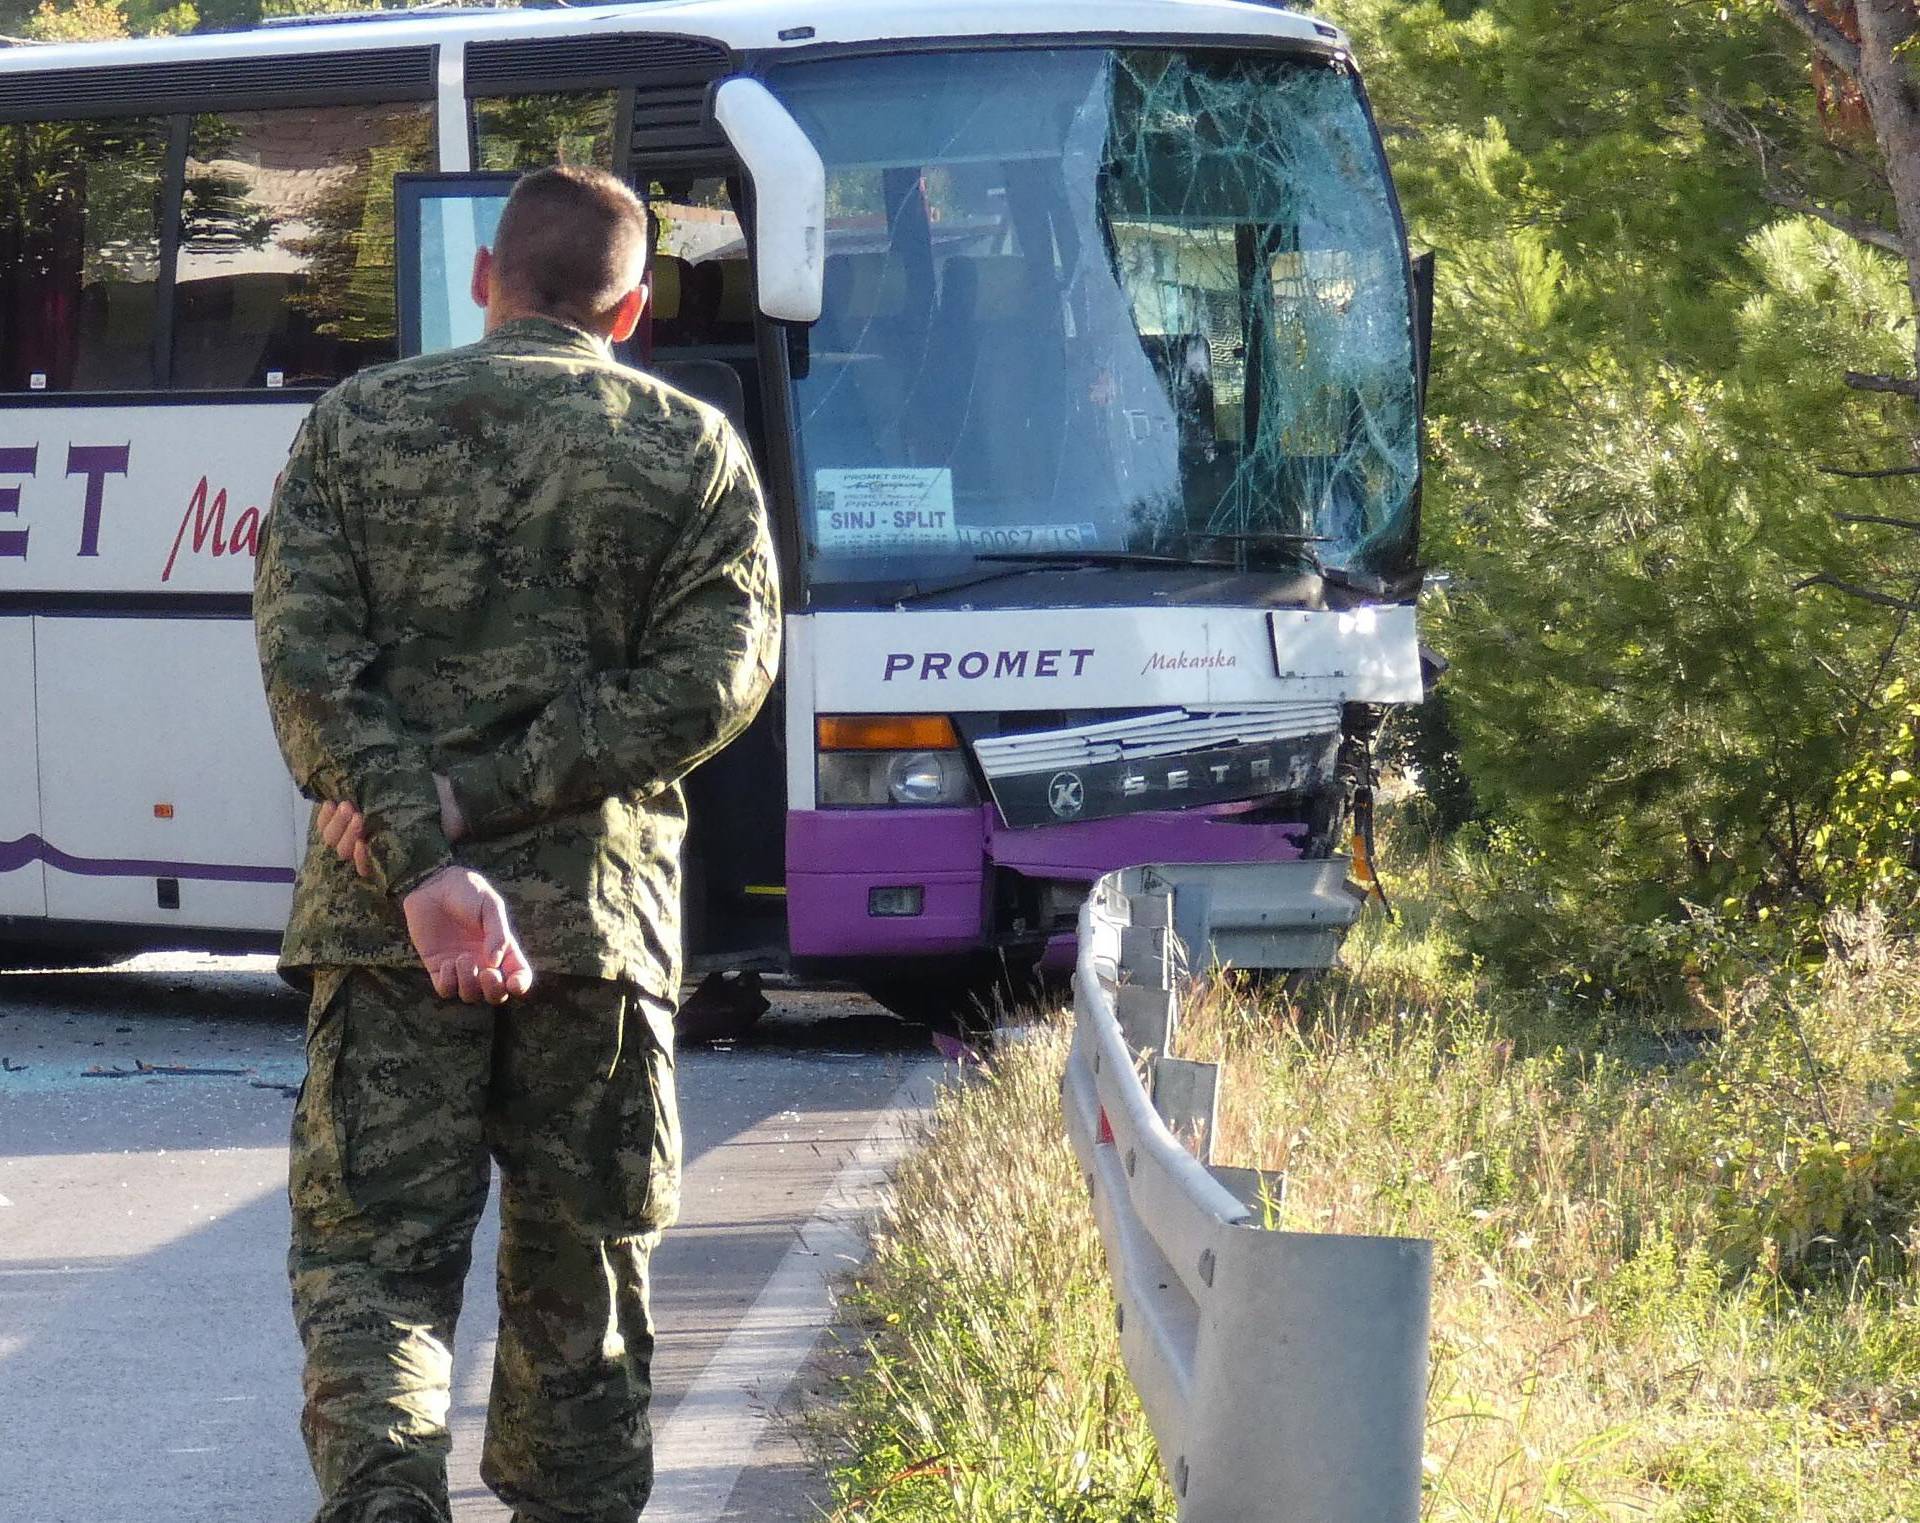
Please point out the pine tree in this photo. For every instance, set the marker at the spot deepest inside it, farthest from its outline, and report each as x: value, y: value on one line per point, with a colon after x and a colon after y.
x: 1640, y: 359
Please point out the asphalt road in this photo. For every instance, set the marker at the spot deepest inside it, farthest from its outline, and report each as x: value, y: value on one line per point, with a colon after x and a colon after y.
x: 148, y: 1365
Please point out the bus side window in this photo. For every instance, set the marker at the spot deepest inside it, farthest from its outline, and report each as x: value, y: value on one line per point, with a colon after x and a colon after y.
x: 79, y: 253
x: 533, y: 131
x: 285, y: 275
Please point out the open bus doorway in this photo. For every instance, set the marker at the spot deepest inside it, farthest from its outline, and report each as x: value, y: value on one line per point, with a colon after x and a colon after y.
x: 699, y: 337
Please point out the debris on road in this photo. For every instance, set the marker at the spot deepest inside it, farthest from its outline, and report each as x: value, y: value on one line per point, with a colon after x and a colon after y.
x: 723, y: 1009
x: 142, y: 1070
x: 953, y: 1050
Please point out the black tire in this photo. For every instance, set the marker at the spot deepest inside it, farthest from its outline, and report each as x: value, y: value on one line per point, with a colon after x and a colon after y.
x: 968, y: 999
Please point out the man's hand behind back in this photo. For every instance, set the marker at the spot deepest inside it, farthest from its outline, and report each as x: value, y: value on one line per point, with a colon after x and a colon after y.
x: 456, y: 919
x: 458, y: 924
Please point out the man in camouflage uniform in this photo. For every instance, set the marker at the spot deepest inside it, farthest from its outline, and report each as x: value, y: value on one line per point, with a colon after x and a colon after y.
x: 508, y: 597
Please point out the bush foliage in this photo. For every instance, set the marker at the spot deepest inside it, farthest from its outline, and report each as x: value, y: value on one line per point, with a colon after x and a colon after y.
x: 1639, y: 377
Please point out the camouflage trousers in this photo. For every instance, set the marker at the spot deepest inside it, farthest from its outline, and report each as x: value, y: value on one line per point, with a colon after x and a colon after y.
x: 408, y: 1101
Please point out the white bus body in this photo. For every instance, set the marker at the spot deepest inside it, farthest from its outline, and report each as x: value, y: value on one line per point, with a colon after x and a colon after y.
x: 141, y: 794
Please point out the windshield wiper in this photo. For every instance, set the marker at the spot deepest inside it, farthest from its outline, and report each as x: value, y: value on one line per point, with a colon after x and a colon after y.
x: 1089, y: 558
x: 921, y: 591
x: 1024, y: 562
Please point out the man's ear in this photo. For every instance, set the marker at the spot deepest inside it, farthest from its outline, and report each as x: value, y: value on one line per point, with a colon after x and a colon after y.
x: 482, y: 287
x: 626, y: 316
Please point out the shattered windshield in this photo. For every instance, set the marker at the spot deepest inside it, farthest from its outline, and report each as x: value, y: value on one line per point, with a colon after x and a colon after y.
x: 1080, y: 300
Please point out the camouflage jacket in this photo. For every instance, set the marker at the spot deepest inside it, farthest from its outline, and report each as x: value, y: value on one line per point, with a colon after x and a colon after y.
x: 545, y: 576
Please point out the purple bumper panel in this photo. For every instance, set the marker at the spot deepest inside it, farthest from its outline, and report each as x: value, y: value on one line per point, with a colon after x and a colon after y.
x: 835, y: 857
x: 1104, y: 846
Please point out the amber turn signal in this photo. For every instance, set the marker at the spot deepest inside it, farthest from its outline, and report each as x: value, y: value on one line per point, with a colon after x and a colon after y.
x: 1360, y: 869
x: 886, y: 732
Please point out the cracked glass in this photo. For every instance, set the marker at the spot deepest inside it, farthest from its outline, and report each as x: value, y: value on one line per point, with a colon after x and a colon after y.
x: 1079, y: 301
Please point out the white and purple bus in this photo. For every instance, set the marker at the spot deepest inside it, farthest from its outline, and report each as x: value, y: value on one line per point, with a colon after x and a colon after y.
x: 1077, y: 342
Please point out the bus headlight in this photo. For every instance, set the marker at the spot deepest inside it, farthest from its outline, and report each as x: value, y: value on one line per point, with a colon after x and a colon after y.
x: 881, y: 759
x: 928, y: 777
x: 924, y: 779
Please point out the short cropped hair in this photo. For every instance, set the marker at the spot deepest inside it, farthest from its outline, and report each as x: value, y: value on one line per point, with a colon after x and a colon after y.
x: 571, y: 243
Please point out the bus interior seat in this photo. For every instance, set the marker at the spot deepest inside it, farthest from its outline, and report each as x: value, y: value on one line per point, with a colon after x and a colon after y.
x: 858, y: 357
x: 1006, y: 399
x: 228, y: 326
x: 261, y: 323
x: 677, y: 309
x: 115, y: 351
x: 866, y: 295
x: 714, y: 382
x: 734, y: 306
x: 666, y: 279
x: 686, y: 333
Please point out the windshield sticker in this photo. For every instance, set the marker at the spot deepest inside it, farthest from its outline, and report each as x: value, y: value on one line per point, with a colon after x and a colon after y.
x: 883, y: 508
x: 1021, y: 539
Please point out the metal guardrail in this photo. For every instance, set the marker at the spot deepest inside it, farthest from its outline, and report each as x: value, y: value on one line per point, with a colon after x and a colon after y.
x: 1284, y: 1374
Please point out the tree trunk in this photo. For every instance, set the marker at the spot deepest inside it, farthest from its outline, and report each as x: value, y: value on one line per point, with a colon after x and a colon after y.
x: 1894, y: 104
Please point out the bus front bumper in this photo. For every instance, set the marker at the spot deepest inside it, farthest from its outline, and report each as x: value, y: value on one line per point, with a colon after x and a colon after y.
x: 850, y: 872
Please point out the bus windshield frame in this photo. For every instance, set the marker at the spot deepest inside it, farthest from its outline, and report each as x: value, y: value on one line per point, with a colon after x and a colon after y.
x: 1098, y: 304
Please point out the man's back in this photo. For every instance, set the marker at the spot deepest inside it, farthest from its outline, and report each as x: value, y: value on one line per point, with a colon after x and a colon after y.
x: 506, y: 599
x: 522, y: 515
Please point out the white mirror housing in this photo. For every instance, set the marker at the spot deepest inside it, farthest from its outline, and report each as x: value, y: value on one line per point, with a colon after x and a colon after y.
x: 789, y: 198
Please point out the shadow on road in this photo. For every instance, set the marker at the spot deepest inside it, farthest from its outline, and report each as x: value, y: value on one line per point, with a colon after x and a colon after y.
x: 150, y: 986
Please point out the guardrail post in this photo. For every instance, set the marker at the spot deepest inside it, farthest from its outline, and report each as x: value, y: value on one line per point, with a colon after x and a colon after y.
x: 1261, y: 1191
x: 1193, y: 924
x: 1143, y: 955
x: 1147, y: 1017
x: 1150, y: 908
x: 1187, y: 1096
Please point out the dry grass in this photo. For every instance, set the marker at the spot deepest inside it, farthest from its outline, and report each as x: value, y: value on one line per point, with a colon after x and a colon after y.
x: 993, y: 1390
x: 1601, y: 1349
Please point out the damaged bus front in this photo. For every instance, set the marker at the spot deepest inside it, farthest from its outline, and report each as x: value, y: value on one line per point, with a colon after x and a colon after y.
x: 1105, y: 462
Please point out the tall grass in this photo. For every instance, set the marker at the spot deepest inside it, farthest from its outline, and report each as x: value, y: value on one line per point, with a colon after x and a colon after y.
x: 1656, y: 1293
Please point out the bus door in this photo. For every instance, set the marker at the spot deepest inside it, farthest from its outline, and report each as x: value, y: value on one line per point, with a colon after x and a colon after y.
x: 702, y: 336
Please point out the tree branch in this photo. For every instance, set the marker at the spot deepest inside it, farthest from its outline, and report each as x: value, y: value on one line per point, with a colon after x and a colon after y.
x: 1853, y: 590
x: 1878, y: 518
x: 1871, y: 233
x: 1834, y: 44
x: 1900, y: 385
x: 1890, y: 470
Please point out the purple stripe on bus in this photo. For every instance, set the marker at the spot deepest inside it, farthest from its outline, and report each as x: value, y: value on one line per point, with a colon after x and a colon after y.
x: 30, y: 848
x: 1093, y: 847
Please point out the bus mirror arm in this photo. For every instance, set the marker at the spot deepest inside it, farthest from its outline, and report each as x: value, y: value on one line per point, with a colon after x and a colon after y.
x: 789, y: 198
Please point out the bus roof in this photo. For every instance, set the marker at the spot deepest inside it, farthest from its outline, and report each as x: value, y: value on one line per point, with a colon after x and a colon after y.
x: 741, y: 25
